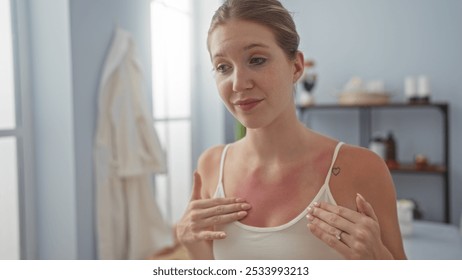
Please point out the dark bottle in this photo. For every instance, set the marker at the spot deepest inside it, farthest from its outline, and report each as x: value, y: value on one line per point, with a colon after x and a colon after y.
x: 390, y: 147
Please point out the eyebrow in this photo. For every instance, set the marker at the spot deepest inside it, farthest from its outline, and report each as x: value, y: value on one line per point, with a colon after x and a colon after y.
x: 246, y: 48
x: 255, y: 45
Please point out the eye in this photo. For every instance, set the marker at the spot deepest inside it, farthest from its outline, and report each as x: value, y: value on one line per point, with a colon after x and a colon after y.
x: 222, y: 68
x: 257, y: 60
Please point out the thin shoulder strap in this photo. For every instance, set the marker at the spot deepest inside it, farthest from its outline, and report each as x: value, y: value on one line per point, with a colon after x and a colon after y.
x: 222, y: 162
x: 334, y: 157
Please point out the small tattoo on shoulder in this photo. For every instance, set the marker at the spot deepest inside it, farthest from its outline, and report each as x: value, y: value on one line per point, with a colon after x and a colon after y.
x: 336, y: 170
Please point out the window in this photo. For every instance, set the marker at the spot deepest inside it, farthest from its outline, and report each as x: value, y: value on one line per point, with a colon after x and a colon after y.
x: 171, y: 22
x: 9, y: 134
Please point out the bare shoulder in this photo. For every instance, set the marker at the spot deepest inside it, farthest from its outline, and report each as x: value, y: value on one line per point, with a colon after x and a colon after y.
x: 208, y: 167
x: 361, y: 171
x: 363, y: 160
x: 366, y: 173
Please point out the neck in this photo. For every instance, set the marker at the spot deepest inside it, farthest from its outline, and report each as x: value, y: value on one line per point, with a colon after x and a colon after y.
x: 279, y: 141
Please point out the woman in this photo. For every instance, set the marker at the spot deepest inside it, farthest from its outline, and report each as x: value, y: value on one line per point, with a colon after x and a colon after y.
x: 283, y: 191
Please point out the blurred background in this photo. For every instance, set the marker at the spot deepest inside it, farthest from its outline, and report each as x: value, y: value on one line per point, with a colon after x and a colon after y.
x: 52, y: 54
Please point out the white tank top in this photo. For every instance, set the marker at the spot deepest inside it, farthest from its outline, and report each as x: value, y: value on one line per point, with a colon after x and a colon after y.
x: 292, y: 240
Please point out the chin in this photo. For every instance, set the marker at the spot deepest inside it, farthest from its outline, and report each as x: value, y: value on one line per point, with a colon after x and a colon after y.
x: 252, y: 124
x: 252, y: 121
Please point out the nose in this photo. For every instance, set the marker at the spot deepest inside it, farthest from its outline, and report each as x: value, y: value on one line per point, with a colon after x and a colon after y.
x: 242, y: 80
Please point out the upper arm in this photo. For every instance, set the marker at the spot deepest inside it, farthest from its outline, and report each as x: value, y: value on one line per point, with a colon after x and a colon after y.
x: 366, y: 173
x: 377, y: 187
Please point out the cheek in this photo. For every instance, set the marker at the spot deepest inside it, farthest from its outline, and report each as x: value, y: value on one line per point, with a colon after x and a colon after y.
x: 224, y: 90
x: 280, y: 76
x: 279, y: 83
x: 221, y: 87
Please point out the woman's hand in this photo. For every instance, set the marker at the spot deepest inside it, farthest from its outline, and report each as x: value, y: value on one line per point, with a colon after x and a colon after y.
x: 355, y: 235
x: 197, y: 224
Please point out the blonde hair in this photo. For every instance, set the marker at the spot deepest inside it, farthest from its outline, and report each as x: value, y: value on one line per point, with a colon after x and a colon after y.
x: 269, y: 13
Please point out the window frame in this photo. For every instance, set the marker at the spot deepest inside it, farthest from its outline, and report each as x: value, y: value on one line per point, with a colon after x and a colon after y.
x: 23, y: 131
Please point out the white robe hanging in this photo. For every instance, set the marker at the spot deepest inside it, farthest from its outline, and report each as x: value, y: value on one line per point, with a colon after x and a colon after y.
x: 127, y: 153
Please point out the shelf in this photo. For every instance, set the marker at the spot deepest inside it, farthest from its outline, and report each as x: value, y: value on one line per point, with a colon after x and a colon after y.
x: 411, y: 168
x: 441, y: 105
x: 365, y: 135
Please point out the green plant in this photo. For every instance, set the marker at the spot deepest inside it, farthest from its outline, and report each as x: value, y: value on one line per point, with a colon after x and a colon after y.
x: 239, y: 130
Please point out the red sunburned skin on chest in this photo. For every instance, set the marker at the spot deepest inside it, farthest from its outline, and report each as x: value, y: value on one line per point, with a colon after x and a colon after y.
x: 273, y: 203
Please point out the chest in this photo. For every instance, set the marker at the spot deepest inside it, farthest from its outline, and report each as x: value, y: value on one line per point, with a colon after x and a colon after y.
x: 277, y: 195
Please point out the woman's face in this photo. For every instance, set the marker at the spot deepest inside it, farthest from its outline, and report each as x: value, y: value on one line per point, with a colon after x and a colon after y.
x: 254, y: 76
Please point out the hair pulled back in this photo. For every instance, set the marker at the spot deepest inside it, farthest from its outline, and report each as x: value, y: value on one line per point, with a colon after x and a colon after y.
x: 269, y: 13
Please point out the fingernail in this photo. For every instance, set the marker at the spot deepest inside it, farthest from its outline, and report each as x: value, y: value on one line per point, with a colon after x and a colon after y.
x: 241, y: 214
x: 310, y: 209
x: 316, y: 204
x: 309, y: 217
x: 245, y: 206
x: 360, y: 196
x: 222, y: 235
x: 239, y: 200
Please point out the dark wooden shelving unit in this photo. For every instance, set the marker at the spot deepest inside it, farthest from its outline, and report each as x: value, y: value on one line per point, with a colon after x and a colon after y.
x: 412, y: 168
x: 365, y: 131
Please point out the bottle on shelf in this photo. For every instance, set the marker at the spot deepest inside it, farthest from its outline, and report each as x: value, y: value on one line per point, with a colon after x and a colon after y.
x: 377, y: 145
x: 390, y: 148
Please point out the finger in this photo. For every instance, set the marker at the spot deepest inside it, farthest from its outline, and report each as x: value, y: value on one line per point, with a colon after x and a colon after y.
x: 197, y: 187
x: 212, y: 202
x: 341, y: 232
x: 224, y: 209
x: 327, y: 228
x: 221, y: 219
x: 365, y: 207
x: 333, y: 214
x: 211, y: 235
x: 209, y: 212
x: 329, y: 239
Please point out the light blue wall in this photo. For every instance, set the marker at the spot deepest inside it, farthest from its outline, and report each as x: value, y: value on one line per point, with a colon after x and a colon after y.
x: 389, y: 40
x: 69, y: 43
x: 92, y: 26
x: 52, y: 97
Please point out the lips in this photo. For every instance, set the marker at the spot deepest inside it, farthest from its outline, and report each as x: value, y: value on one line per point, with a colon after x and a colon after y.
x: 247, y: 104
